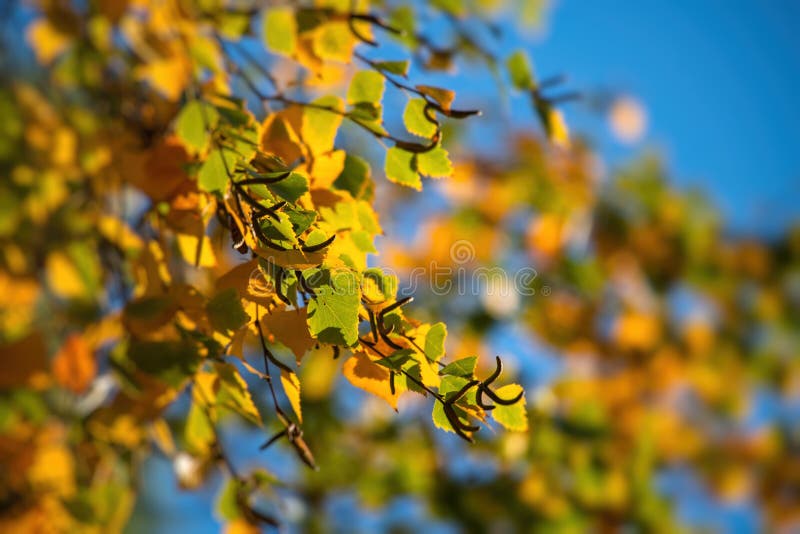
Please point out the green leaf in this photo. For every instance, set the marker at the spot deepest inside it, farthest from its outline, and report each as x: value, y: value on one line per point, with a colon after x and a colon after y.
x: 228, y: 502
x: 355, y: 178
x: 366, y: 86
x: 213, y: 176
x: 198, y: 433
x: 450, y: 384
x: 333, y: 312
x: 280, y: 230
x: 315, y: 237
x: 454, y: 7
x: 280, y: 31
x: 415, y: 120
x: 290, y: 188
x: 397, y: 359
x: 514, y: 417
x: 366, y: 113
x: 194, y: 123
x: 225, y: 311
x: 520, y: 70
x: 399, y: 168
x: 434, y: 163
x: 378, y: 286
x: 465, y: 367
x: 170, y: 361
x: 301, y: 219
x: 404, y: 19
x: 399, y: 68
x: 434, y: 341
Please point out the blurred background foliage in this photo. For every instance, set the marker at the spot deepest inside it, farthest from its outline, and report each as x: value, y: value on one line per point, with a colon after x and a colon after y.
x: 657, y: 348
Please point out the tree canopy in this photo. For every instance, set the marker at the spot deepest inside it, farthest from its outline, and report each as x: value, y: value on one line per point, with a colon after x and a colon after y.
x: 194, y: 196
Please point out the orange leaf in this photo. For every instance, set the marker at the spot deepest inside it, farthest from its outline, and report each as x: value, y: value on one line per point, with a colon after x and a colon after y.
x: 444, y: 97
x: 371, y: 377
x: 74, y: 366
x: 290, y: 328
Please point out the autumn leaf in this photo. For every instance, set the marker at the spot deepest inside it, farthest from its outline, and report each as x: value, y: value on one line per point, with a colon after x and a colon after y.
x: 74, y: 366
x: 291, y: 386
x: 371, y: 377
x: 290, y: 328
x: 515, y: 416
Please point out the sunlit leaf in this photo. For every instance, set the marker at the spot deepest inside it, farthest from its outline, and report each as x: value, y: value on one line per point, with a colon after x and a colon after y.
x: 215, y: 172
x: 333, y: 312
x: 233, y: 393
x: 320, y: 125
x: 395, y: 67
x: 194, y: 124
x: 434, y: 163
x: 444, y: 97
x: 399, y: 168
x: 366, y: 87
x: 464, y: 367
x: 290, y: 328
x: 364, y: 374
x: 415, y: 119
x: 514, y: 417
x: 291, y: 386
x: 520, y: 70
x: 280, y: 30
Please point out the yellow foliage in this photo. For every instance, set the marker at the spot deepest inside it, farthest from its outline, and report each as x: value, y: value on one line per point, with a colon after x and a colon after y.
x: 364, y: 374
x: 197, y: 251
x: 546, y: 234
x: 63, y: 278
x: 46, y: 40
x: 637, y: 331
x: 291, y: 387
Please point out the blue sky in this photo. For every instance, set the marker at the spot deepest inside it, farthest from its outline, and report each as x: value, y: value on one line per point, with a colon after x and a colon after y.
x: 720, y: 81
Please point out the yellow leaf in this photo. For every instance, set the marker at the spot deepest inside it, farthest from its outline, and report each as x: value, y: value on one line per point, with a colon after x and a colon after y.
x: 546, y: 234
x: 169, y: 76
x: 371, y: 377
x: 197, y: 252
x: 557, y: 128
x: 318, y: 373
x: 319, y: 126
x: 53, y: 468
x: 74, y: 366
x: 637, y: 331
x: 241, y: 526
x: 249, y: 281
x: 334, y: 41
x: 119, y: 233
x: 162, y: 435
x: 279, y: 135
x: 327, y: 168
x: 280, y: 30
x: 291, y: 386
x: 63, y: 277
x: 46, y: 41
x: 430, y: 375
